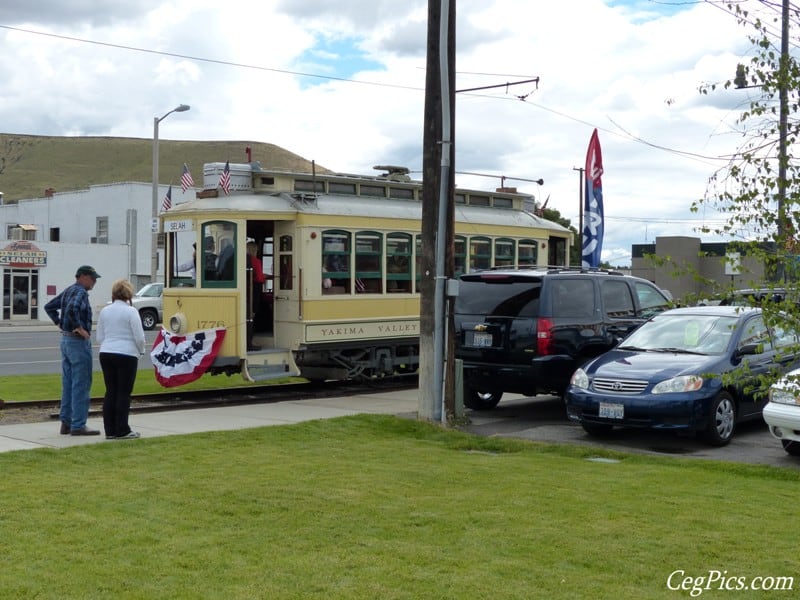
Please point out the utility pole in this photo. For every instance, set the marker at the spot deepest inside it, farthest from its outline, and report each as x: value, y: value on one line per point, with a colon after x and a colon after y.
x: 783, y: 98
x: 436, y: 263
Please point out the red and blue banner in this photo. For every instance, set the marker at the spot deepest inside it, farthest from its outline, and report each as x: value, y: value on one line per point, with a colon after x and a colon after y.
x: 181, y: 359
x: 592, y: 234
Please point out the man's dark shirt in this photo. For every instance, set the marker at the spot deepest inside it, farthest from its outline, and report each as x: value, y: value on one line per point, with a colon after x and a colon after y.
x: 71, y: 309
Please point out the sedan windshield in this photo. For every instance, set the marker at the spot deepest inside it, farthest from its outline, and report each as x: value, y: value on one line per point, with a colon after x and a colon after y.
x: 700, y: 334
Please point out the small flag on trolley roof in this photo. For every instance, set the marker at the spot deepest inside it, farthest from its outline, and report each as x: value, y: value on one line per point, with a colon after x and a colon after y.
x: 225, y: 179
x: 186, y: 178
x: 166, y: 204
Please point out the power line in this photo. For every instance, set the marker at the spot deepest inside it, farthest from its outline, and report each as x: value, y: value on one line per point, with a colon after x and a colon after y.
x: 207, y: 60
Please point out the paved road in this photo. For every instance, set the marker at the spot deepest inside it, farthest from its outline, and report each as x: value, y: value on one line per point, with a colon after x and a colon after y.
x: 543, y: 419
x: 35, y: 350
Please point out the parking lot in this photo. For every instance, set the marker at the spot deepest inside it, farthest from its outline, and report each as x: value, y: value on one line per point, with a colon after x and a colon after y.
x: 542, y: 419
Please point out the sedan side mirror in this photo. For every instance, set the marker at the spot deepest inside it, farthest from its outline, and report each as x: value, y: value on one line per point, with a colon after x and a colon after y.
x: 748, y: 349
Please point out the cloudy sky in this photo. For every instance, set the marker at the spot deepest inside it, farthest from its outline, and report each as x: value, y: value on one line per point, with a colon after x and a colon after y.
x: 342, y: 82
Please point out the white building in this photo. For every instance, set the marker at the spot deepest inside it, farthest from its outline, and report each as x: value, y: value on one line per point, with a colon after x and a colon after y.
x: 43, y: 241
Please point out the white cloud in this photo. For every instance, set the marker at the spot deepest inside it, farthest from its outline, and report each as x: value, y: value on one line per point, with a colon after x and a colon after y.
x: 632, y: 70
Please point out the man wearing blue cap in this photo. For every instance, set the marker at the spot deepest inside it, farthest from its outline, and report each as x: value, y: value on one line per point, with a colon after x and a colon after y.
x: 71, y: 311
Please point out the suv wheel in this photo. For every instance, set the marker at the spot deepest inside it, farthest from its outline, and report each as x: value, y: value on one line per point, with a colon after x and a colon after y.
x: 481, y: 400
x: 149, y: 318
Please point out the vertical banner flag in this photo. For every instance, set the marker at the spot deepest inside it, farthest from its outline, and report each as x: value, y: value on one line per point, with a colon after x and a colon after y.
x: 166, y: 203
x: 592, y: 242
x: 186, y: 179
x: 225, y: 178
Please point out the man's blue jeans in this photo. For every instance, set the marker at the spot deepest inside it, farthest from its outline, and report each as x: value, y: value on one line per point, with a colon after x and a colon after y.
x: 76, y: 380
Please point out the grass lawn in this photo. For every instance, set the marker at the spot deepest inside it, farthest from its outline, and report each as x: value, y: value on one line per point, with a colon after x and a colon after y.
x: 15, y: 388
x: 382, y: 507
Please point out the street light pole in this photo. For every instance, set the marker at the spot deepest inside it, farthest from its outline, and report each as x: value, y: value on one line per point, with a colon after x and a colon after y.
x: 154, y: 225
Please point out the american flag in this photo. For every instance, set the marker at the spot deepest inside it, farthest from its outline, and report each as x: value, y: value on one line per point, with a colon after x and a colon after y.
x: 186, y: 178
x: 225, y: 179
x: 166, y: 203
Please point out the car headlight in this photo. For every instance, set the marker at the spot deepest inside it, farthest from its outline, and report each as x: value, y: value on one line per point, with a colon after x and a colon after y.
x: 684, y: 383
x: 783, y: 396
x: 580, y: 379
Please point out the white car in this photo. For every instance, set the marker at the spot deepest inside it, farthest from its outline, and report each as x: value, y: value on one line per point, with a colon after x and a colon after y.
x: 149, y: 304
x: 782, y: 412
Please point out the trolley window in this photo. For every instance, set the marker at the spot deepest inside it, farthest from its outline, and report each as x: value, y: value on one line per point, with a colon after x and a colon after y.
x: 460, y: 246
x: 503, y: 252
x: 335, y: 262
x: 528, y: 253
x: 219, y: 254
x: 285, y: 262
x: 480, y: 253
x: 369, y: 258
x: 417, y: 261
x: 398, y: 262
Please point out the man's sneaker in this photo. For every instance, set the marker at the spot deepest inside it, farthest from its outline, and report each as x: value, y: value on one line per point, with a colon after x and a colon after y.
x: 111, y: 437
x: 131, y: 435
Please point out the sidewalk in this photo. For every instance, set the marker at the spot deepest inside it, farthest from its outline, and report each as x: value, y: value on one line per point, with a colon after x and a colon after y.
x: 45, y: 435
x: 27, y: 325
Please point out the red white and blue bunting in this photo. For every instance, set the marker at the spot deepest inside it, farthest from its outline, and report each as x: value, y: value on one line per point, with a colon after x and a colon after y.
x: 181, y: 359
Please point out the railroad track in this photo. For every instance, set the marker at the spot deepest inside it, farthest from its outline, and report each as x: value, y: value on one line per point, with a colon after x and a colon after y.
x: 42, y: 410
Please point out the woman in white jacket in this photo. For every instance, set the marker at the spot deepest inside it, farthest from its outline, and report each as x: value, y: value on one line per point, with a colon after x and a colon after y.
x: 121, y: 337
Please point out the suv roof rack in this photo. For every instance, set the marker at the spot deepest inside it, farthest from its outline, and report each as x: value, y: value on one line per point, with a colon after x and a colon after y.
x: 584, y: 270
x: 551, y: 269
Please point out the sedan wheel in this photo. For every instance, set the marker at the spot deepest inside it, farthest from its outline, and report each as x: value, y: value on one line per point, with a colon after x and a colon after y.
x: 792, y: 448
x: 722, y: 420
x: 597, y: 429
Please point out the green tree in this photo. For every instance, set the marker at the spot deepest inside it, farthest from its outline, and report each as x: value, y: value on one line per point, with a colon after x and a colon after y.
x: 757, y: 189
x: 552, y: 214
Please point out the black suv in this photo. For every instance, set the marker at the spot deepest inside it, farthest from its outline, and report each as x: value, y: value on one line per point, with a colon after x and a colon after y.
x: 526, y: 331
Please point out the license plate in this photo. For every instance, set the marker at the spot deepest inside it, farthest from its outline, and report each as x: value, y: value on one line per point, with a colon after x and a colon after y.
x: 609, y: 410
x: 482, y: 340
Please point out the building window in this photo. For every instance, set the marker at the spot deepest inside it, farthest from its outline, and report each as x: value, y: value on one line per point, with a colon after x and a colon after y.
x: 101, y: 230
x: 22, y: 232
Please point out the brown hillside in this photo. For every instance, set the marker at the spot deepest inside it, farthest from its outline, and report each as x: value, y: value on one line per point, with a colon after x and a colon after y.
x: 29, y: 164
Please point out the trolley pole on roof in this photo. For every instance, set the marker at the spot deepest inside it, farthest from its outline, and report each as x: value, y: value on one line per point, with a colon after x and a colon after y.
x: 436, y: 397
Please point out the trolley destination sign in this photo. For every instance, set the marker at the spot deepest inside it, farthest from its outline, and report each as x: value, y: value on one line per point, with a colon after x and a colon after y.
x: 359, y: 330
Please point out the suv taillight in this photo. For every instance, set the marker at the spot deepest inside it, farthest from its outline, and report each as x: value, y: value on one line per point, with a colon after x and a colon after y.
x: 544, y: 336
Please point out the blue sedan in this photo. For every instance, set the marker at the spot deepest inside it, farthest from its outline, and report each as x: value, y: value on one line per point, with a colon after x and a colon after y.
x: 702, y: 369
